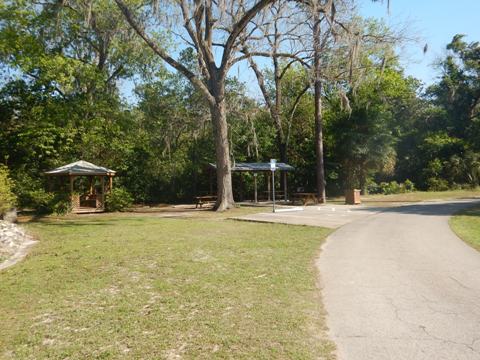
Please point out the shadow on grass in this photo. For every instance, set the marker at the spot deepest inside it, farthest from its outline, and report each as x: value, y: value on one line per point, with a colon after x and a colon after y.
x: 68, y: 222
x: 473, y: 211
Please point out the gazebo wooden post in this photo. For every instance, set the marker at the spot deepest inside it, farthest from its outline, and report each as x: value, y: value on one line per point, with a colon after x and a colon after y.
x: 255, y: 192
x: 102, y: 180
x: 73, y: 198
x: 110, y: 184
x: 72, y: 178
x: 90, y: 191
x: 285, y: 187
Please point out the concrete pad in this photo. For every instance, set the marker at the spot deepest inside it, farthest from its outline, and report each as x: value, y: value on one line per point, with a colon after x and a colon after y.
x: 329, y: 216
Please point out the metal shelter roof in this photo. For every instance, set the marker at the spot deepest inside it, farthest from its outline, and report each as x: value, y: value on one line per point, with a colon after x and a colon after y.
x: 257, y: 166
x: 81, y: 168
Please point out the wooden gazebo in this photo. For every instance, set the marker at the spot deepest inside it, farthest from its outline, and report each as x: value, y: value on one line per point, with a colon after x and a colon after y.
x: 92, y: 197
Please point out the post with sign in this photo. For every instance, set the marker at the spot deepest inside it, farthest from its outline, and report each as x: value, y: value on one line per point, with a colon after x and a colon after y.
x: 273, y: 167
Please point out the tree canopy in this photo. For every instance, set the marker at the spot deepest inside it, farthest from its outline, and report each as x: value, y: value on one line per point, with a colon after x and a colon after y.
x: 66, y: 66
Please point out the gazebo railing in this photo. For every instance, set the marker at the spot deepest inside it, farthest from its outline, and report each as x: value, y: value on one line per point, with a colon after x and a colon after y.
x: 94, y: 201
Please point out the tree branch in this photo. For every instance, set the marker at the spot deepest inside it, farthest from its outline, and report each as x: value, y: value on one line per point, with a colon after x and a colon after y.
x: 237, y: 28
x: 269, y: 55
x: 163, y: 54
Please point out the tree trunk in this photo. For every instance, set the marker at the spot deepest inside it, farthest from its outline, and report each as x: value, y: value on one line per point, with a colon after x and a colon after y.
x: 283, y: 158
x: 318, y: 110
x: 194, y: 169
x: 222, y: 149
x: 363, y: 182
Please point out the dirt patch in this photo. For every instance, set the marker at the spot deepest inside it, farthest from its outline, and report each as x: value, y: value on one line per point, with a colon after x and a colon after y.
x: 14, y: 244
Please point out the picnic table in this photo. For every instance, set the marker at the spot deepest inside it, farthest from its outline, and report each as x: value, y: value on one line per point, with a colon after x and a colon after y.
x: 305, y: 197
x: 207, y: 199
x: 279, y: 194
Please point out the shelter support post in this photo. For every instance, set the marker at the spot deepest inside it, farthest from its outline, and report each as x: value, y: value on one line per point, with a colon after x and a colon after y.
x: 100, y: 203
x: 110, y: 179
x: 255, y: 193
x: 242, y: 197
x: 269, y: 189
x: 90, y: 191
x: 210, y: 180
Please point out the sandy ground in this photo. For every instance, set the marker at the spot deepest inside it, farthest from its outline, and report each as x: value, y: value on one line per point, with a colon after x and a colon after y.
x: 14, y: 244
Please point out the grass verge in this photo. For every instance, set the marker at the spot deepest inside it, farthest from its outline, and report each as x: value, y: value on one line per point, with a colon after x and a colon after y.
x: 148, y: 287
x: 466, y: 224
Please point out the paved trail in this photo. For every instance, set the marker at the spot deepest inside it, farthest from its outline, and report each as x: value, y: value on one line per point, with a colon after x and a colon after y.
x: 400, y: 285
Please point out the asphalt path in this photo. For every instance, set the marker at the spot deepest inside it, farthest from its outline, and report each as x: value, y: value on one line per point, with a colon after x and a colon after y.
x: 399, y: 284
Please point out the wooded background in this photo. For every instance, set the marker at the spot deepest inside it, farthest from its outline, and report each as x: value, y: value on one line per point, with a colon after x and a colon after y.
x: 332, y: 98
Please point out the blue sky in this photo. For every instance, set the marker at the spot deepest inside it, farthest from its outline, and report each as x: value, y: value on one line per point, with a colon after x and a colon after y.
x: 434, y: 22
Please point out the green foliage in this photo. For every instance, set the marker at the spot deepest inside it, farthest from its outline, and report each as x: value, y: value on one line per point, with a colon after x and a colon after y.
x: 392, y: 187
x: 119, y: 199
x: 437, y: 184
x: 61, y: 204
x: 362, y: 140
x: 7, y: 198
x: 409, y: 186
x: 441, y: 148
x: 44, y: 202
x: 41, y: 201
x: 65, y: 105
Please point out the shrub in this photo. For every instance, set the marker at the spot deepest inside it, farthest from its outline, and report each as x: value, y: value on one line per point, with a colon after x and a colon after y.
x: 7, y: 198
x: 394, y: 187
x: 118, y: 199
x: 435, y: 184
x: 390, y: 188
x: 373, y: 187
x: 40, y: 200
x: 44, y: 202
x: 409, y: 186
x: 61, y: 204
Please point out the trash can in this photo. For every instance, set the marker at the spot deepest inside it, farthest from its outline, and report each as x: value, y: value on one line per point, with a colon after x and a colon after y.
x: 352, y: 197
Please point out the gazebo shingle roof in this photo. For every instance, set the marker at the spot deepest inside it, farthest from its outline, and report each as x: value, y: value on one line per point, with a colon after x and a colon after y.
x: 81, y: 168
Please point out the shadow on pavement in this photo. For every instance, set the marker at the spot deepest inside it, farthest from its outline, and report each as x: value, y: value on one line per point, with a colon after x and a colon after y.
x: 443, y: 208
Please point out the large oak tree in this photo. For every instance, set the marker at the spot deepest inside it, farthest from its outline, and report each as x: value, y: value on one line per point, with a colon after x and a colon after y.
x: 215, y: 30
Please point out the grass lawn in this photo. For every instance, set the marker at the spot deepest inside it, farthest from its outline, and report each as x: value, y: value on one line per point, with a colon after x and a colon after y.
x: 466, y: 225
x: 111, y: 287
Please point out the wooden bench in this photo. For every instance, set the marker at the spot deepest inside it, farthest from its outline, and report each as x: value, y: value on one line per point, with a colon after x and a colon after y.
x: 201, y: 200
x: 305, y: 198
